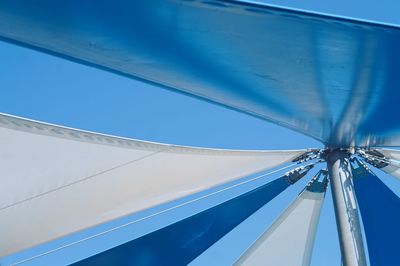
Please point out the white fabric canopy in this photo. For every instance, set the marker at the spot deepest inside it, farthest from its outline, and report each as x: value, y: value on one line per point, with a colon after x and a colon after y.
x: 290, y: 238
x: 56, y: 180
x: 390, y: 153
x: 393, y: 168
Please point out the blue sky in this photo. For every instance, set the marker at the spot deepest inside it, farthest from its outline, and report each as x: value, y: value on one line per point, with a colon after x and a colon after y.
x: 385, y: 11
x: 50, y: 89
x: 46, y: 88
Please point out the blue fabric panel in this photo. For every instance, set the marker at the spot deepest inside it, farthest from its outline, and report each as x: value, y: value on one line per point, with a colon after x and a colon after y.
x: 181, y: 242
x: 380, y: 212
x: 310, y: 72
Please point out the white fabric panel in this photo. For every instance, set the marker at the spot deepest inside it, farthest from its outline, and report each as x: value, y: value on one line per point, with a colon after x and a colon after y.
x: 392, y: 170
x: 57, y: 180
x: 394, y: 162
x: 390, y: 153
x: 290, y: 238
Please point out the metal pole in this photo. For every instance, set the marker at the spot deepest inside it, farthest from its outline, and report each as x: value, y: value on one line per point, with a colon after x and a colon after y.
x: 346, y: 211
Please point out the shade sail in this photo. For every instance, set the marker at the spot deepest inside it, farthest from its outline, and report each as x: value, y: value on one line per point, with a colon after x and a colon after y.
x: 333, y: 79
x: 387, y: 160
x: 181, y: 242
x: 390, y: 153
x: 57, y: 180
x: 379, y: 208
x: 289, y: 240
x: 392, y: 169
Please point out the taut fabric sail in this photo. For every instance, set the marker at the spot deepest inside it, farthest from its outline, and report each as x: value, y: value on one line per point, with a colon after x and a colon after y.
x: 289, y: 240
x: 393, y: 168
x: 387, y: 160
x: 380, y: 214
x: 56, y: 180
x: 390, y: 153
x: 331, y: 78
x: 181, y: 242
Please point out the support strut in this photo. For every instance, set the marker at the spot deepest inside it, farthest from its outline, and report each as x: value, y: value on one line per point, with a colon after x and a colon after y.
x: 346, y: 209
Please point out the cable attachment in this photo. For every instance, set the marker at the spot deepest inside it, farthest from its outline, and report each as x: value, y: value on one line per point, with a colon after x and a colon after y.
x: 310, y: 154
x: 319, y: 182
x: 297, y: 173
x: 374, y: 158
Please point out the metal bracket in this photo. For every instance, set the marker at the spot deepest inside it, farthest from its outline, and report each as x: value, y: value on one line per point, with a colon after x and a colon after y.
x: 315, y: 185
x: 374, y: 158
x: 307, y: 156
x: 296, y: 174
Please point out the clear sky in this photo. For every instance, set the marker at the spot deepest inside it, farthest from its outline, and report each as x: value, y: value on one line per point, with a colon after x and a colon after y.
x: 46, y: 88
x: 386, y: 11
x: 49, y: 89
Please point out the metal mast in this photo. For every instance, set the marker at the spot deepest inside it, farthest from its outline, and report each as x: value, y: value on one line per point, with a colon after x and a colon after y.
x: 346, y: 209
